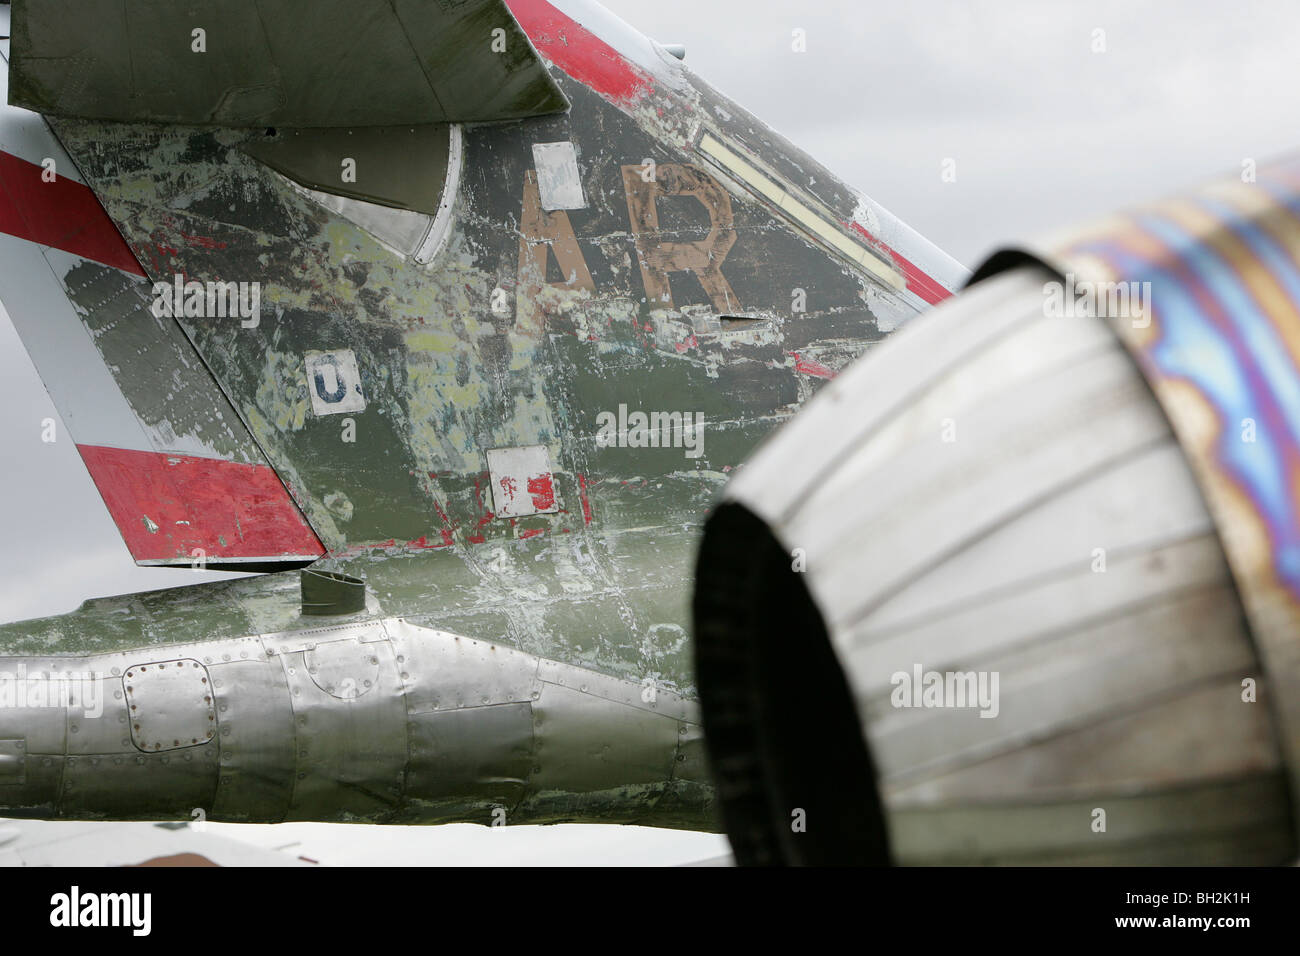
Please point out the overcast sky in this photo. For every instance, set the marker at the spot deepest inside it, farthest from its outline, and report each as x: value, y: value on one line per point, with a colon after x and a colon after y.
x: 1043, y: 131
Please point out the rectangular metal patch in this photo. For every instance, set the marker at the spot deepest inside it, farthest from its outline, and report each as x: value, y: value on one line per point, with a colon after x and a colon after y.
x: 334, y: 382
x: 557, y: 176
x: 522, y: 483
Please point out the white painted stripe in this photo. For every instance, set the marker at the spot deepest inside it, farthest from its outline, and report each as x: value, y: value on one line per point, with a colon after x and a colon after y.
x: 61, y: 348
x: 906, y: 241
x: 818, y: 223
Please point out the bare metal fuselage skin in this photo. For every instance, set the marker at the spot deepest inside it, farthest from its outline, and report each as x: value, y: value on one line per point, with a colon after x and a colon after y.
x: 379, y: 720
x: 526, y: 664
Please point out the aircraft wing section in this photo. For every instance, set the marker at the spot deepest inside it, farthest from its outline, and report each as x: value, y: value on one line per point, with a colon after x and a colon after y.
x: 297, y: 63
x: 182, y: 477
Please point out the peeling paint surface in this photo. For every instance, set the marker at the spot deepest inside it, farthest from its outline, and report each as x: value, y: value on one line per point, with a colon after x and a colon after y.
x: 528, y: 324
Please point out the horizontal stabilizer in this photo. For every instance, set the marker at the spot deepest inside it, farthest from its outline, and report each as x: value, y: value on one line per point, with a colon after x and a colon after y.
x: 297, y: 63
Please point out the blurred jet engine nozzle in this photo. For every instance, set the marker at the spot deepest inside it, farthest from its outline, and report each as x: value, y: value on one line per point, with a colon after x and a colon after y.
x: 970, y: 606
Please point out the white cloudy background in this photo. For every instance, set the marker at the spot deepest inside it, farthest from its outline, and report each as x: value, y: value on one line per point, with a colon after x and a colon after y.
x: 1043, y: 132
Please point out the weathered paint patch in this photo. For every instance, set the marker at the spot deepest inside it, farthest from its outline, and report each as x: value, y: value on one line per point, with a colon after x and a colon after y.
x: 810, y: 367
x: 179, y: 408
x: 657, y: 256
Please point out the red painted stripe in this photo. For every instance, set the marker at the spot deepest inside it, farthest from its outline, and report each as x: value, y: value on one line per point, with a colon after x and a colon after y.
x: 579, y: 52
x: 586, y: 503
x: 63, y: 214
x: 809, y: 367
x: 917, y: 280
x: 227, y: 508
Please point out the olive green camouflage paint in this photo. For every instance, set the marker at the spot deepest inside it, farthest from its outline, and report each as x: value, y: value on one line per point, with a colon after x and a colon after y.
x: 602, y: 582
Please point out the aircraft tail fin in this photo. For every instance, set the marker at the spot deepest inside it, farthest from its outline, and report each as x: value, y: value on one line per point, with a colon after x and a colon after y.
x: 184, y: 480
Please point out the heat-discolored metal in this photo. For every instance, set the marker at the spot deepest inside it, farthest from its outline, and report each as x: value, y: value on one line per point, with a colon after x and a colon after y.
x: 1212, y: 282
